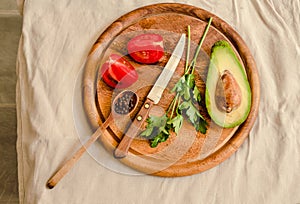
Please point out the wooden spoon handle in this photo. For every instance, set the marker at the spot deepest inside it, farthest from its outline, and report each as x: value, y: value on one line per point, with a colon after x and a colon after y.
x: 70, y: 163
x: 122, y: 149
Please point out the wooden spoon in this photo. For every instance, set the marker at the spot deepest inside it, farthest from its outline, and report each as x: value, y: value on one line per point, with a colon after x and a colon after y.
x: 123, y: 104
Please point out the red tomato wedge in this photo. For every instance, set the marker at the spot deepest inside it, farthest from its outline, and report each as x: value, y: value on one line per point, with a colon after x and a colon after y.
x: 117, y: 72
x: 146, y: 48
x: 106, y: 78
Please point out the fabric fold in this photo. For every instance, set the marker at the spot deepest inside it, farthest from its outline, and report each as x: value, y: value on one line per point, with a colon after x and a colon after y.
x: 56, y: 39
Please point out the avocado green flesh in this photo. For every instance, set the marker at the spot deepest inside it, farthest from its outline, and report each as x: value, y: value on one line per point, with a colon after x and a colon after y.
x: 223, y: 58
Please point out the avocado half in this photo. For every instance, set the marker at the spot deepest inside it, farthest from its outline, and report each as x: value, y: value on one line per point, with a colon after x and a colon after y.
x: 223, y: 59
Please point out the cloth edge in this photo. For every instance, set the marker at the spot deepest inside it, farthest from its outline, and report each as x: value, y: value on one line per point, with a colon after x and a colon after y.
x: 19, y: 145
x: 20, y: 4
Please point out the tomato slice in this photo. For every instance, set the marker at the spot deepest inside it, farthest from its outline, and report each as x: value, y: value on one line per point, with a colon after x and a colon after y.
x: 117, y: 72
x: 106, y: 77
x: 146, y: 48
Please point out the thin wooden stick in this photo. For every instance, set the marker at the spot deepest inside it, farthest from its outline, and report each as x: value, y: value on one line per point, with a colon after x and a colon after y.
x: 70, y: 163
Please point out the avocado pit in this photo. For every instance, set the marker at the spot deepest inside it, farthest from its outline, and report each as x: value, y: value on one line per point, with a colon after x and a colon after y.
x: 228, y: 94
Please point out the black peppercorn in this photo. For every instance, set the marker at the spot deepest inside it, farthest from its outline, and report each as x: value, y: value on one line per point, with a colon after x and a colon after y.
x: 125, y: 103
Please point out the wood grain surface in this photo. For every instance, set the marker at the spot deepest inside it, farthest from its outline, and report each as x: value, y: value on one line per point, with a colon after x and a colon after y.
x: 189, y: 152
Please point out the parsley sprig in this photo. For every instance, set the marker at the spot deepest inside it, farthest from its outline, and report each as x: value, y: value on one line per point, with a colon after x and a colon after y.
x: 187, y: 98
x: 158, y: 128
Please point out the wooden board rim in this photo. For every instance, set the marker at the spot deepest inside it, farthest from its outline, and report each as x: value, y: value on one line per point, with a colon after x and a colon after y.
x: 234, y: 143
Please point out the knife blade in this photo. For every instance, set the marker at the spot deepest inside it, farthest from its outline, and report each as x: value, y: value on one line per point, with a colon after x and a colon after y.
x: 167, y: 73
x: 152, y: 98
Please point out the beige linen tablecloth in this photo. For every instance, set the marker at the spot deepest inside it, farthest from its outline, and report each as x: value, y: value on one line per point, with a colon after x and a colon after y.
x: 56, y: 38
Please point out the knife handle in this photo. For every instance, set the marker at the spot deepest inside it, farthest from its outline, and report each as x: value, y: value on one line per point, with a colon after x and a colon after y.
x: 122, y: 149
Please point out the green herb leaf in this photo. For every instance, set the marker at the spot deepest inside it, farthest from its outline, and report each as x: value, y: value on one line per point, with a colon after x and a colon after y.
x: 161, y: 137
x: 192, y: 113
x: 154, y: 125
x: 201, y: 126
x: 194, y: 116
x: 159, y: 121
x: 148, y: 131
x: 196, y: 94
x: 186, y: 94
x: 157, y: 129
x: 184, y: 105
x: 190, y: 80
x: 179, y: 86
x: 176, y: 123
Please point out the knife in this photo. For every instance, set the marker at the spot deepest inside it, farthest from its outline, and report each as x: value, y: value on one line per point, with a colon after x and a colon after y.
x: 152, y: 98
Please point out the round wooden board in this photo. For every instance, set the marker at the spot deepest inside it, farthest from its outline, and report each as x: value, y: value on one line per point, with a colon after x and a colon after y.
x: 189, y: 152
